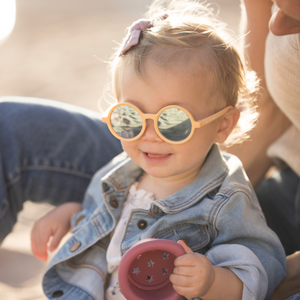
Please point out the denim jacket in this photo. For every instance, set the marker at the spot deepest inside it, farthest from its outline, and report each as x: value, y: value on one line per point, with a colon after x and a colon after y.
x: 218, y: 215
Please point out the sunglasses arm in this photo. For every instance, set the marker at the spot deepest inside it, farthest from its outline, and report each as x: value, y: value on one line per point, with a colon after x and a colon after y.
x: 105, y: 118
x: 213, y: 117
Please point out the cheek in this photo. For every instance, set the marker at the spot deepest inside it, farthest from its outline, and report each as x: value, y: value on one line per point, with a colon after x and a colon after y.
x: 289, y: 7
x: 125, y: 146
x: 205, y: 135
x: 199, y: 144
x: 129, y: 148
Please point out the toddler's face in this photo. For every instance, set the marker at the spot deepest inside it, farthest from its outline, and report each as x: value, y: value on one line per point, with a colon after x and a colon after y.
x: 164, y: 87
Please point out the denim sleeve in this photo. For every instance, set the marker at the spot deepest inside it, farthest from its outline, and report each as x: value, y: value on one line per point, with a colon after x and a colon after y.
x: 93, y: 196
x: 246, y: 245
x: 246, y: 266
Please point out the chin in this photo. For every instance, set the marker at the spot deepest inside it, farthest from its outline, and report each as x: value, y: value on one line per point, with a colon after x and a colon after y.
x: 158, y: 173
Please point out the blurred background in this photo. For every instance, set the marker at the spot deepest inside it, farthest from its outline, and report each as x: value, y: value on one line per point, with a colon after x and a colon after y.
x: 57, y: 50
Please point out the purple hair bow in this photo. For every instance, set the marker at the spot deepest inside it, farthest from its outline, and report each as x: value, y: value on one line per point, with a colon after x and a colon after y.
x: 135, y: 30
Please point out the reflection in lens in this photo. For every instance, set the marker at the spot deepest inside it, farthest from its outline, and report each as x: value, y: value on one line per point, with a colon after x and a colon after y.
x: 126, y: 122
x: 174, y: 124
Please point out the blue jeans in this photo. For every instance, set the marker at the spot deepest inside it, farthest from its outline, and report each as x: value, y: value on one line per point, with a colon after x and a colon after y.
x: 49, y: 151
x: 279, y: 197
x: 294, y: 297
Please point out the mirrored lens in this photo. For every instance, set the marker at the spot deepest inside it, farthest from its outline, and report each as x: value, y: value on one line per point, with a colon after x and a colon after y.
x: 126, y: 121
x: 174, y: 124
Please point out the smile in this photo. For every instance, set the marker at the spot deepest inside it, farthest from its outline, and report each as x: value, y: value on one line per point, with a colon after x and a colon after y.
x: 154, y: 157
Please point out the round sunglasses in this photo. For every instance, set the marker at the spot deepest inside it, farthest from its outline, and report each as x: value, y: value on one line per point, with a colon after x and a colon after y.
x: 173, y: 124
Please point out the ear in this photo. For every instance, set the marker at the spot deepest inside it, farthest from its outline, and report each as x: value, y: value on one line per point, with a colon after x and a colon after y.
x: 227, y: 124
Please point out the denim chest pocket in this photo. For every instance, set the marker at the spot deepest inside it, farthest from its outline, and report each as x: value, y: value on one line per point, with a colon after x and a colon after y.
x: 194, y: 235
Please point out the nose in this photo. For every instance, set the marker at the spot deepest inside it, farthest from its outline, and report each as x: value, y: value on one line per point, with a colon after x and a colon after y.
x: 150, y: 134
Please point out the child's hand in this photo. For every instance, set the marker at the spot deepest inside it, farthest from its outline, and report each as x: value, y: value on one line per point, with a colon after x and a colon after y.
x: 55, y: 225
x: 193, y: 274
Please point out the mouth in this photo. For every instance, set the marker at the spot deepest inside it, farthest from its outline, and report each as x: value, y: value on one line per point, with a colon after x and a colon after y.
x: 155, y: 157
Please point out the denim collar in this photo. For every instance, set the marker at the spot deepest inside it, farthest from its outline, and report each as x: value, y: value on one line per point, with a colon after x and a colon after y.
x: 210, y: 177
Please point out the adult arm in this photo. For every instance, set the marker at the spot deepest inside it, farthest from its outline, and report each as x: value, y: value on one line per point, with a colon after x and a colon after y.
x: 272, y: 122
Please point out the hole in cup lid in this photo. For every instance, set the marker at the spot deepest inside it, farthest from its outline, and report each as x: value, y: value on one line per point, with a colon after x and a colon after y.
x: 151, y: 270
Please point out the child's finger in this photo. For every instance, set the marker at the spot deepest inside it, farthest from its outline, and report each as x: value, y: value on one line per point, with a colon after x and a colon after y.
x: 41, y: 251
x: 186, y: 260
x: 185, y: 247
x: 187, y: 292
x: 37, y: 253
x: 33, y: 248
x: 39, y: 243
x: 56, y: 239
x: 184, y: 271
x: 179, y: 280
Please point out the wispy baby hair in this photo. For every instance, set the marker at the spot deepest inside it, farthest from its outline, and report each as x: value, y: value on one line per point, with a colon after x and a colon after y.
x: 194, y: 34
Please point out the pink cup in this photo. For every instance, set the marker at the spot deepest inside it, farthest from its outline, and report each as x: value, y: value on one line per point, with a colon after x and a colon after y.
x: 144, y: 270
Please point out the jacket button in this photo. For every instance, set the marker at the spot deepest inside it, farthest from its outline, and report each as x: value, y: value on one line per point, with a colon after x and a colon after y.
x: 79, y: 219
x: 75, y: 246
x: 57, y: 294
x: 114, y: 202
x: 142, y: 224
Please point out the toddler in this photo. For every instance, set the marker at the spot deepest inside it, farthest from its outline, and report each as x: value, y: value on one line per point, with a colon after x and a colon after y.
x: 180, y: 88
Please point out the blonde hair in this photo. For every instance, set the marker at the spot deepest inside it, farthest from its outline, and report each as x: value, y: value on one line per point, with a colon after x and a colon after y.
x: 193, y: 31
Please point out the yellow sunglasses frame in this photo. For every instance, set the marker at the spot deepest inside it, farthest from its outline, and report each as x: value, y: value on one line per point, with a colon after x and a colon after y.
x: 195, y: 124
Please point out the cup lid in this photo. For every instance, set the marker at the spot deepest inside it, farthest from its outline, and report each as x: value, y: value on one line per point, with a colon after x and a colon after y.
x: 144, y: 270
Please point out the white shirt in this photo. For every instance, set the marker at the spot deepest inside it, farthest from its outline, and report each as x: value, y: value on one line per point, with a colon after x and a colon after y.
x: 140, y: 199
x: 282, y: 67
